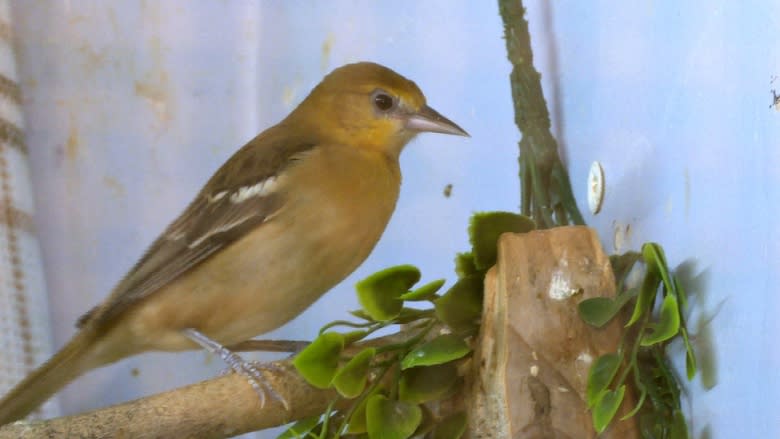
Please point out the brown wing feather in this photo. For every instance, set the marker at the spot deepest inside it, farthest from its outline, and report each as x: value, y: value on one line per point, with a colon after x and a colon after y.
x: 210, y: 223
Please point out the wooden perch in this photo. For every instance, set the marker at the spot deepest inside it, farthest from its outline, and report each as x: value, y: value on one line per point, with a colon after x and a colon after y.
x: 217, y: 408
x: 534, y: 352
x: 221, y: 407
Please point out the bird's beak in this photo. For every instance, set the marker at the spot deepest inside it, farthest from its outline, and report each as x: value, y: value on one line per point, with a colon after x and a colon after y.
x: 430, y: 121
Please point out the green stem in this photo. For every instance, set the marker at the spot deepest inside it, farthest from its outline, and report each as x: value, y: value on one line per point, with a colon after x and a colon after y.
x: 632, y: 359
x: 542, y: 173
x: 360, y: 399
x: 397, y: 378
x: 326, y: 422
x: 409, y: 342
x: 346, y: 323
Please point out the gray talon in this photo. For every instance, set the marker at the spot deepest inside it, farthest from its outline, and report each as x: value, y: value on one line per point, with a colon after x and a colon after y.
x: 252, y: 373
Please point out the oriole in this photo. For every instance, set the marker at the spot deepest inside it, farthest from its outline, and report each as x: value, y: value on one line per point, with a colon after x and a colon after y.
x: 287, y: 217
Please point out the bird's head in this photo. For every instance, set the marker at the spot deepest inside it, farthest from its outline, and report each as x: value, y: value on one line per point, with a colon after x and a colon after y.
x: 367, y: 105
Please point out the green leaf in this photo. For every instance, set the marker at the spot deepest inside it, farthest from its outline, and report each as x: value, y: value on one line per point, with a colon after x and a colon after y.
x: 300, y: 429
x: 598, y: 311
x: 622, y: 264
x: 464, y: 265
x: 388, y: 419
x: 425, y: 292
x: 317, y: 363
x: 353, y: 336
x: 357, y: 422
x: 606, y: 408
x: 359, y: 313
x: 647, y: 292
x: 379, y: 294
x: 461, y: 306
x: 423, y: 384
x: 690, y: 356
x: 600, y: 375
x: 429, y: 421
x: 679, y: 428
x: 451, y: 427
x: 653, y: 254
x: 351, y: 379
x: 408, y: 315
x: 485, y: 229
x: 638, y: 406
x: 440, y: 350
x: 682, y: 296
x: 668, y: 324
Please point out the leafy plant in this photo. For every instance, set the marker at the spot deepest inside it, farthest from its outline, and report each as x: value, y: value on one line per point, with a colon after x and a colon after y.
x: 389, y: 385
x: 657, y: 317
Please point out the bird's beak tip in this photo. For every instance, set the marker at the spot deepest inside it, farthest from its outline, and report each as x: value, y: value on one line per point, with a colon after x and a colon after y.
x: 431, y: 121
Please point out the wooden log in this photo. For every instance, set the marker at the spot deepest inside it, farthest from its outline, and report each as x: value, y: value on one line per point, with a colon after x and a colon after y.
x: 534, y: 352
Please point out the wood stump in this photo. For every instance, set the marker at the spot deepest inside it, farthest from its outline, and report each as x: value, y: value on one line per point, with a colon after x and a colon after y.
x: 534, y: 352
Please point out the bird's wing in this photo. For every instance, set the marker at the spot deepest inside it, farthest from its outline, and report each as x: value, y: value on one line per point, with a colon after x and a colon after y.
x: 240, y: 197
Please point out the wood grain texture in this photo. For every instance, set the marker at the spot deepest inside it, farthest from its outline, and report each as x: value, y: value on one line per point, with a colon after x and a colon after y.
x: 534, y: 351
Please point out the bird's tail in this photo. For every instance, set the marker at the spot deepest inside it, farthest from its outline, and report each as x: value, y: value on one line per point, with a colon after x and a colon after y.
x: 75, y: 358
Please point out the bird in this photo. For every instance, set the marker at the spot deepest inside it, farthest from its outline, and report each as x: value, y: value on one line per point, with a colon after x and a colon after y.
x: 287, y: 217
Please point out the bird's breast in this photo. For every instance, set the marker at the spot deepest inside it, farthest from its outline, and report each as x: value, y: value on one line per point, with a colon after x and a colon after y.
x: 337, y: 208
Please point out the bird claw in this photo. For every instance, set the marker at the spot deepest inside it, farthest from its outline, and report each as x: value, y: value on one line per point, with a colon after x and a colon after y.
x: 253, y: 373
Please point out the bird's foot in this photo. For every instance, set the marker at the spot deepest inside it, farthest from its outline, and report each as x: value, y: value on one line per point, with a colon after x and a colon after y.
x: 253, y: 372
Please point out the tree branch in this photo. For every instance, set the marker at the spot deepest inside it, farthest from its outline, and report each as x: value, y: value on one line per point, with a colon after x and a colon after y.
x: 221, y: 407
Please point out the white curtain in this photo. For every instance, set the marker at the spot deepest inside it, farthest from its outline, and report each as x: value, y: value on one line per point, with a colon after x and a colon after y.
x: 24, y: 316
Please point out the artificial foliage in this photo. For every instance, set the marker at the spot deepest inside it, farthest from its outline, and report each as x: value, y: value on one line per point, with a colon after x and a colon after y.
x: 389, y: 385
x: 656, y: 317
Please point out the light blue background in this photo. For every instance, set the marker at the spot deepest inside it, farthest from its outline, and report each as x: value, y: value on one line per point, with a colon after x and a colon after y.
x: 131, y: 106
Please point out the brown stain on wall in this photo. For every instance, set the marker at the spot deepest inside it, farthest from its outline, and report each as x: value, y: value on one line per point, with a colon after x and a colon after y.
x: 154, y: 89
x: 72, y: 144
x: 154, y: 92
x: 327, y: 48
x: 92, y: 59
x: 154, y: 84
x: 114, y: 185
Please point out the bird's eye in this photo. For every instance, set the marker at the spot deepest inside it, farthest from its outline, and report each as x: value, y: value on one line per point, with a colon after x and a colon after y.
x: 383, y: 101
